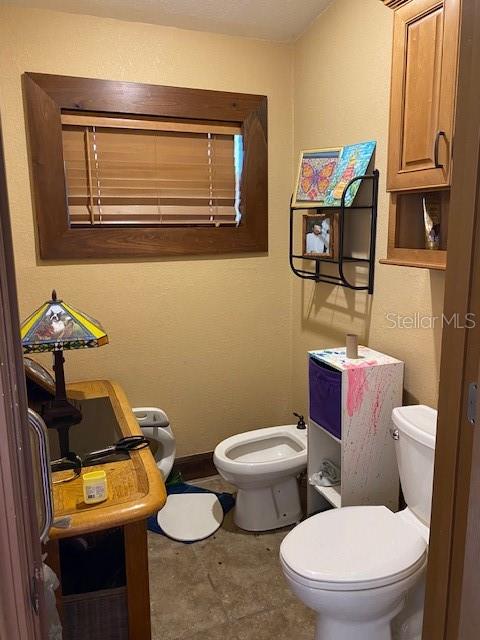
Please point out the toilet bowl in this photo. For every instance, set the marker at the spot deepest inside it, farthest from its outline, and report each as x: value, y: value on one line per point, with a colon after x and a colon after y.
x: 362, y: 568
x: 155, y: 426
x: 264, y: 464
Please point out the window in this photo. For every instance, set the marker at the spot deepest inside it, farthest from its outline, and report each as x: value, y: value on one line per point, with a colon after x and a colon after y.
x: 130, y: 170
x: 151, y: 172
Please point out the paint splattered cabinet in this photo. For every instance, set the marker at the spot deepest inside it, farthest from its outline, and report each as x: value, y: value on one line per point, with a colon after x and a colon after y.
x: 351, y: 404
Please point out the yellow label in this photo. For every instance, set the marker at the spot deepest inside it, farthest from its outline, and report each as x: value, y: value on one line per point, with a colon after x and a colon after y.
x: 95, y: 487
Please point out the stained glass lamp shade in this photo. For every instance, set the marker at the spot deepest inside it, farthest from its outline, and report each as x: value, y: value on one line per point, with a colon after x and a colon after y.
x: 56, y: 326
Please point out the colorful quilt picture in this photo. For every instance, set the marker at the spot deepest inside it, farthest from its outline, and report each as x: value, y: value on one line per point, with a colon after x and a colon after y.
x: 316, y: 168
x: 353, y: 162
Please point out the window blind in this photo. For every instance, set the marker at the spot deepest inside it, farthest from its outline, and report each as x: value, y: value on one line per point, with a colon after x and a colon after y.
x: 121, y: 171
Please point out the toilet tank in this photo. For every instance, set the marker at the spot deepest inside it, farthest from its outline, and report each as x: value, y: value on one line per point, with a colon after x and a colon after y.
x: 415, y: 431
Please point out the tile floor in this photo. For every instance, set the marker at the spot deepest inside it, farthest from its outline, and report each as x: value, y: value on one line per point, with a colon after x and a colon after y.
x: 228, y: 587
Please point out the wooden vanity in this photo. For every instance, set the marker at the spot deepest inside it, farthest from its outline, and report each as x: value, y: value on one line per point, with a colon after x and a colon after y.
x: 135, y: 491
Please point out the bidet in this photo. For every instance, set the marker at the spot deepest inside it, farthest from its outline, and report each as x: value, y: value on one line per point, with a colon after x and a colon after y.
x: 264, y: 464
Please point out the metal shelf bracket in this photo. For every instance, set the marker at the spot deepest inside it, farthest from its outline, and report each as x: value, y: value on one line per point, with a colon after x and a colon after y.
x: 341, y: 280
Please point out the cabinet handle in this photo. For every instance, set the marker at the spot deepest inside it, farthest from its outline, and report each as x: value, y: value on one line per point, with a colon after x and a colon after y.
x: 440, y: 134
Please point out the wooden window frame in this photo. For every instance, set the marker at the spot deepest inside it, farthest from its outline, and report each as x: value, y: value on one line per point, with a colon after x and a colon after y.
x: 46, y: 96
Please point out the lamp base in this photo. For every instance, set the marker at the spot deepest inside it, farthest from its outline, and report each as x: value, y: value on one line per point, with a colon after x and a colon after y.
x: 60, y: 414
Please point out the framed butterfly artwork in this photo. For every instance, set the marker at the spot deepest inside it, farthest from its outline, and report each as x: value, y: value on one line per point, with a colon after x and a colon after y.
x: 315, y: 170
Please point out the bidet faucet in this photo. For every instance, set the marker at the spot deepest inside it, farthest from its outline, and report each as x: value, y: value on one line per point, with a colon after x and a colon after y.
x: 301, y: 421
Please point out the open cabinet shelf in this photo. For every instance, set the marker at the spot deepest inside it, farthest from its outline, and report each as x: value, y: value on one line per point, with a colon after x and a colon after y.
x: 406, y: 232
x: 420, y: 258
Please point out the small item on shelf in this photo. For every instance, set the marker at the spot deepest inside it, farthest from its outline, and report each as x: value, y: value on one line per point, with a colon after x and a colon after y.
x: 328, y: 476
x: 352, y: 346
x: 95, y: 487
x: 431, y: 217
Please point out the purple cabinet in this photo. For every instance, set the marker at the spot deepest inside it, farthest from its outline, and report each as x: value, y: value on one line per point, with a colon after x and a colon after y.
x: 325, y: 384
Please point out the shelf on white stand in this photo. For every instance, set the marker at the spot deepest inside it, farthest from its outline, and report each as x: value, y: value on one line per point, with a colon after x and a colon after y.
x: 332, y: 494
x: 330, y: 435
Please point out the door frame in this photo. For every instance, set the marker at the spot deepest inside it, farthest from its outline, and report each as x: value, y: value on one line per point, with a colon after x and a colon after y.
x: 469, y: 613
x: 453, y: 578
x: 20, y: 550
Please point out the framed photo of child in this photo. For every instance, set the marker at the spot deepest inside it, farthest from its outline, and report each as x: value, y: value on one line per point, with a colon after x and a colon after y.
x: 319, y: 235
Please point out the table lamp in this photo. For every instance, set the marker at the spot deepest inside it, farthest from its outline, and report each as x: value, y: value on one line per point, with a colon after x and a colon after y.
x: 56, y: 326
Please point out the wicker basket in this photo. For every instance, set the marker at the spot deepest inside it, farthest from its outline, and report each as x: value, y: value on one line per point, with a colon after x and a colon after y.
x: 98, y: 615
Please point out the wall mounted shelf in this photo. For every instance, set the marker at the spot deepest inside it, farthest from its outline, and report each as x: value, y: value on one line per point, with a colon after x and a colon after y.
x: 342, y: 212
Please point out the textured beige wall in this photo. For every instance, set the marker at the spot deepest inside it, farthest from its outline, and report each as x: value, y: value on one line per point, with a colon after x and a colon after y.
x: 341, y: 95
x: 220, y: 344
x: 206, y: 339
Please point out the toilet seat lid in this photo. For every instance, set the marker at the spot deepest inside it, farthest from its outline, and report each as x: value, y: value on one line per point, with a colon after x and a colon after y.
x: 189, y: 517
x: 354, y: 545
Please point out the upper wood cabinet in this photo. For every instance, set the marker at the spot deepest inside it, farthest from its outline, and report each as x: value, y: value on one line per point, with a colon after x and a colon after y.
x: 424, y: 73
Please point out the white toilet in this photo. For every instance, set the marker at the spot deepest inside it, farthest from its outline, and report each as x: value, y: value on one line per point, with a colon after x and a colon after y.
x: 357, y: 566
x: 264, y: 464
x: 155, y: 425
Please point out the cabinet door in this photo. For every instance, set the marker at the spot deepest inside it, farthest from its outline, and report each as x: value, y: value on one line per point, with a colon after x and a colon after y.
x: 424, y: 70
